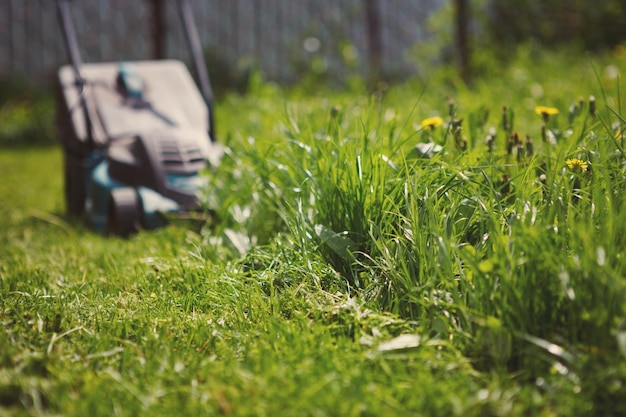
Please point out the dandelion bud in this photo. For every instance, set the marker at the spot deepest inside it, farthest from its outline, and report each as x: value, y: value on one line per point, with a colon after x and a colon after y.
x: 505, y: 185
x: 505, y: 119
x: 490, y: 139
x: 489, y: 142
x: 451, y: 108
x: 510, y: 145
x: 529, y: 146
x: 457, y: 129
x: 520, y: 152
x: 592, y: 106
x: 573, y: 110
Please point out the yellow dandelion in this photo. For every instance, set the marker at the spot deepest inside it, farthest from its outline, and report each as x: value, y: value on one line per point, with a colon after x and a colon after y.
x: 431, y: 122
x: 546, y: 111
x: 577, y: 165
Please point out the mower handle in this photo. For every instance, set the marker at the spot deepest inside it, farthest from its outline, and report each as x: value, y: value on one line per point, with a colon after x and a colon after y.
x: 191, y: 33
x: 69, y: 36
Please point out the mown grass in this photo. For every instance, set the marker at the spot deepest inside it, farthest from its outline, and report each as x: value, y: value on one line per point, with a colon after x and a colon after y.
x: 347, y: 275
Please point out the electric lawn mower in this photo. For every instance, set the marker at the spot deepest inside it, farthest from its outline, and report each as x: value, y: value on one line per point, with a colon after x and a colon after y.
x: 136, y: 135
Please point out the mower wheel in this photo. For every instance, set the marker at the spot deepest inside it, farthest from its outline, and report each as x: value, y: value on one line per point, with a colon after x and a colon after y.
x: 124, y: 211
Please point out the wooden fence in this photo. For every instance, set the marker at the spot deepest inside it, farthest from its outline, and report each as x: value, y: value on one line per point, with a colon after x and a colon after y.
x: 280, y: 37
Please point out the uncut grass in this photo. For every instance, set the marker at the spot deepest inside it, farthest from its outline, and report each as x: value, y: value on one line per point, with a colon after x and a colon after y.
x: 517, y: 259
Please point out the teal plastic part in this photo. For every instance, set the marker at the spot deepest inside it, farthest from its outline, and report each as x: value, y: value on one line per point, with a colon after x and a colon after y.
x: 152, y: 203
x: 130, y: 81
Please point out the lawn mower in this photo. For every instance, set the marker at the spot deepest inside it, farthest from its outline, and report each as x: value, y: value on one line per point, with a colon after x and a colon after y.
x: 136, y: 135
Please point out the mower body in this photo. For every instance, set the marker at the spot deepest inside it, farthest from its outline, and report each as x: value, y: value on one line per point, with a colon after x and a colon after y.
x: 136, y: 138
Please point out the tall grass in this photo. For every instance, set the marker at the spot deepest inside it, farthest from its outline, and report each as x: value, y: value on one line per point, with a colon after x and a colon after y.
x: 502, y: 248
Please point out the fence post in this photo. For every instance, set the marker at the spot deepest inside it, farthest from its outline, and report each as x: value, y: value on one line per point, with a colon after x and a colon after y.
x: 374, y: 39
x: 159, y: 28
x: 462, y: 16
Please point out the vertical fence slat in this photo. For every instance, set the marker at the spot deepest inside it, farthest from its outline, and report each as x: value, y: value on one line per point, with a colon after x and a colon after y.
x: 5, y: 37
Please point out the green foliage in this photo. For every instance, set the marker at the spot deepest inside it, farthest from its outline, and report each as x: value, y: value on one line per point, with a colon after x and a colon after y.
x: 25, y: 122
x: 502, y: 247
x: 362, y: 264
x: 26, y: 114
x: 594, y: 26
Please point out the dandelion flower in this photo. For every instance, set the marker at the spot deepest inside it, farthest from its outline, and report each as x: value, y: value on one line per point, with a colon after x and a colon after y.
x: 543, y: 110
x: 431, y: 122
x: 577, y: 165
x: 546, y: 112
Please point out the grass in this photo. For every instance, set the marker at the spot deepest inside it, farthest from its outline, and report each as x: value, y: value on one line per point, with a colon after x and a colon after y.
x: 347, y: 275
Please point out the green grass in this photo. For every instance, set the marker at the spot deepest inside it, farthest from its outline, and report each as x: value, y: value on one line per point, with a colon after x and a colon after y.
x: 347, y: 275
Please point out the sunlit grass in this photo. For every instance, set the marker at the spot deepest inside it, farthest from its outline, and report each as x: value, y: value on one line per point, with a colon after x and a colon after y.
x: 356, y: 268
x: 508, y: 241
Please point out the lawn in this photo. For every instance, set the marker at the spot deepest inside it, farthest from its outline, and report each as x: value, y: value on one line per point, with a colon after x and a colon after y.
x: 353, y: 270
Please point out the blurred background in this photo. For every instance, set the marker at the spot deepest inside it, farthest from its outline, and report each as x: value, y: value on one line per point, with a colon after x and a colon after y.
x: 286, y: 40
x: 355, y: 45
